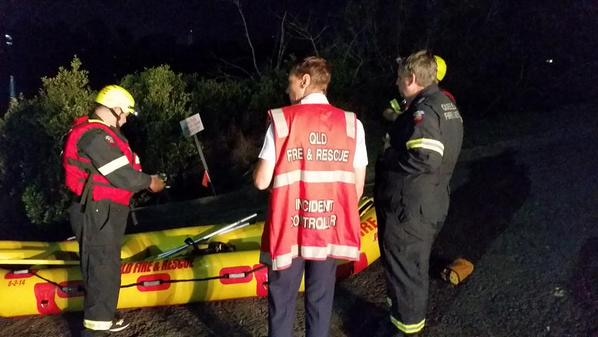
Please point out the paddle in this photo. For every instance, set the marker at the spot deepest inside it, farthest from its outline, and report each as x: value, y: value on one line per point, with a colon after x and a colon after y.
x: 48, y: 259
x: 202, y: 239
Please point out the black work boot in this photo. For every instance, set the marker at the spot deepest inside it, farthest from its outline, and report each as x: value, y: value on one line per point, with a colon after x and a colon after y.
x: 93, y: 333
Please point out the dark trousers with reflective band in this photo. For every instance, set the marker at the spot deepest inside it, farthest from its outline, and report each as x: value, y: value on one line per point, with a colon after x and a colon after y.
x: 283, y: 285
x: 405, y: 248
x: 100, y: 230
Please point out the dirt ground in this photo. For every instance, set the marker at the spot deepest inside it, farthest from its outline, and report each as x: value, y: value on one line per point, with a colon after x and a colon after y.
x: 524, y: 210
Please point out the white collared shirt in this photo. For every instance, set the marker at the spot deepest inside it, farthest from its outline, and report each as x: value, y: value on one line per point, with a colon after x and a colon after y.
x: 268, y: 151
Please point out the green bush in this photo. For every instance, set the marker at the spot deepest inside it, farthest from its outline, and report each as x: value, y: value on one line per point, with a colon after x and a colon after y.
x: 43, y: 211
x: 234, y: 113
x: 163, y: 102
x: 32, y: 138
x: 219, y: 102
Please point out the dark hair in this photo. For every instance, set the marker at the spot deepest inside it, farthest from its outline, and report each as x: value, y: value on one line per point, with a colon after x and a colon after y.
x: 318, y: 69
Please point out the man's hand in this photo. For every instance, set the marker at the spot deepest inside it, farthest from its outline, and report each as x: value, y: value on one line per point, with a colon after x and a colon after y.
x: 389, y: 114
x: 157, y: 184
x: 385, y: 142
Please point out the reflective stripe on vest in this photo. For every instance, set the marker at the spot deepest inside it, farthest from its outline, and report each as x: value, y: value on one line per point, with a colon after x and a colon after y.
x: 350, y: 118
x: 280, y: 123
x: 282, y: 128
x: 292, y: 177
x: 313, y: 253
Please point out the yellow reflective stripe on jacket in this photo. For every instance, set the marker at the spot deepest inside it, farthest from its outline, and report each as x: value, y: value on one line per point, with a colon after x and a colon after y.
x: 280, y: 123
x: 408, y: 328
x: 114, y: 165
x: 97, y: 325
x: 426, y: 143
x: 295, y: 176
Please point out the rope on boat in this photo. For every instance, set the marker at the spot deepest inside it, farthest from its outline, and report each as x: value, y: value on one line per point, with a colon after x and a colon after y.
x: 70, y: 289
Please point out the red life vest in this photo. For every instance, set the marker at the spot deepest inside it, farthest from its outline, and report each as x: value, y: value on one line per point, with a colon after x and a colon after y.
x: 78, y: 168
x: 313, y: 208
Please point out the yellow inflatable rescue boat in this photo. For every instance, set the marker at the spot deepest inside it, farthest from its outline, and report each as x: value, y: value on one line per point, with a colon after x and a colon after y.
x: 175, y: 266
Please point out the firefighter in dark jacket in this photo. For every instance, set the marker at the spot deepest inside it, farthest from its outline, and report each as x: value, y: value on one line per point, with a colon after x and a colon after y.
x: 412, y: 190
x: 103, y: 173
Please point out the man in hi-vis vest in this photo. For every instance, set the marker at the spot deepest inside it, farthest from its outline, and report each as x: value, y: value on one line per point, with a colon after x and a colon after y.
x: 314, y: 158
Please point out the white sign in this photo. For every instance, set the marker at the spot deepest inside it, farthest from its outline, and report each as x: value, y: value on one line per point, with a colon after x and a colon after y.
x: 191, y: 125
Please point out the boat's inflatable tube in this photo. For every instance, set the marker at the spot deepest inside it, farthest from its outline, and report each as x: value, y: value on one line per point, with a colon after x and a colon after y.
x: 42, y: 278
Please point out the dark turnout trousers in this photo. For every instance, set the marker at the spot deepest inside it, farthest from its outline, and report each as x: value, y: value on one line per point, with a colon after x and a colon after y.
x: 283, y: 285
x: 405, y: 246
x: 412, y: 198
x: 100, y: 230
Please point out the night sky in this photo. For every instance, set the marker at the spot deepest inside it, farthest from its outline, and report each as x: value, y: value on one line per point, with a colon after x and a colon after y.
x: 117, y: 37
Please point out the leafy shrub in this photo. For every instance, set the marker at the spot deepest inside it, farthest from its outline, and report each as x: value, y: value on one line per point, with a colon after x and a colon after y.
x: 161, y: 98
x: 219, y: 102
x: 32, y: 139
x: 234, y: 112
x: 156, y: 134
x: 40, y: 209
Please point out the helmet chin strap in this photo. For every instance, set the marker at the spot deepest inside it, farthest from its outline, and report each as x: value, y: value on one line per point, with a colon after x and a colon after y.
x: 117, y: 116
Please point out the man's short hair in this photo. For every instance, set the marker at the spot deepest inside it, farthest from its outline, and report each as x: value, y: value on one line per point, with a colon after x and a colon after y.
x: 422, y: 64
x: 318, y: 69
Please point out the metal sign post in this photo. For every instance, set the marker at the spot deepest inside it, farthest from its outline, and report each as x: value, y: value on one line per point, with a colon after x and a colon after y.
x: 11, y: 64
x: 191, y: 126
x: 203, y: 162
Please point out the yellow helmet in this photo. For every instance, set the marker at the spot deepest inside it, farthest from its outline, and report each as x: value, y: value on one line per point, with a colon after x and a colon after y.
x: 441, y: 66
x: 114, y: 96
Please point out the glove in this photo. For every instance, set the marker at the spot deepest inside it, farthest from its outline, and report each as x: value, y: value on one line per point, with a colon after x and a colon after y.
x: 156, y: 184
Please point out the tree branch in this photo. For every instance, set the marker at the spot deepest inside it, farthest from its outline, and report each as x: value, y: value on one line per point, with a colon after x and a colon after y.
x: 302, y: 32
x: 238, y: 4
x: 281, y: 43
x: 234, y: 66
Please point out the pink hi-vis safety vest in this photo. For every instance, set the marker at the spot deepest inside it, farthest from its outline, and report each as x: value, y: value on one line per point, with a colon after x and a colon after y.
x: 79, y: 171
x: 313, y: 208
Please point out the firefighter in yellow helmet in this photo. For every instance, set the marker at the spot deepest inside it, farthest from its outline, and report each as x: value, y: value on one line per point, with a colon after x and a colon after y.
x: 103, y: 173
x: 114, y: 96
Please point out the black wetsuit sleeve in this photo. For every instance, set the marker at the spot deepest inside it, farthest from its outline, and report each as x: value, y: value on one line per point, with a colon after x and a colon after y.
x: 111, y: 162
